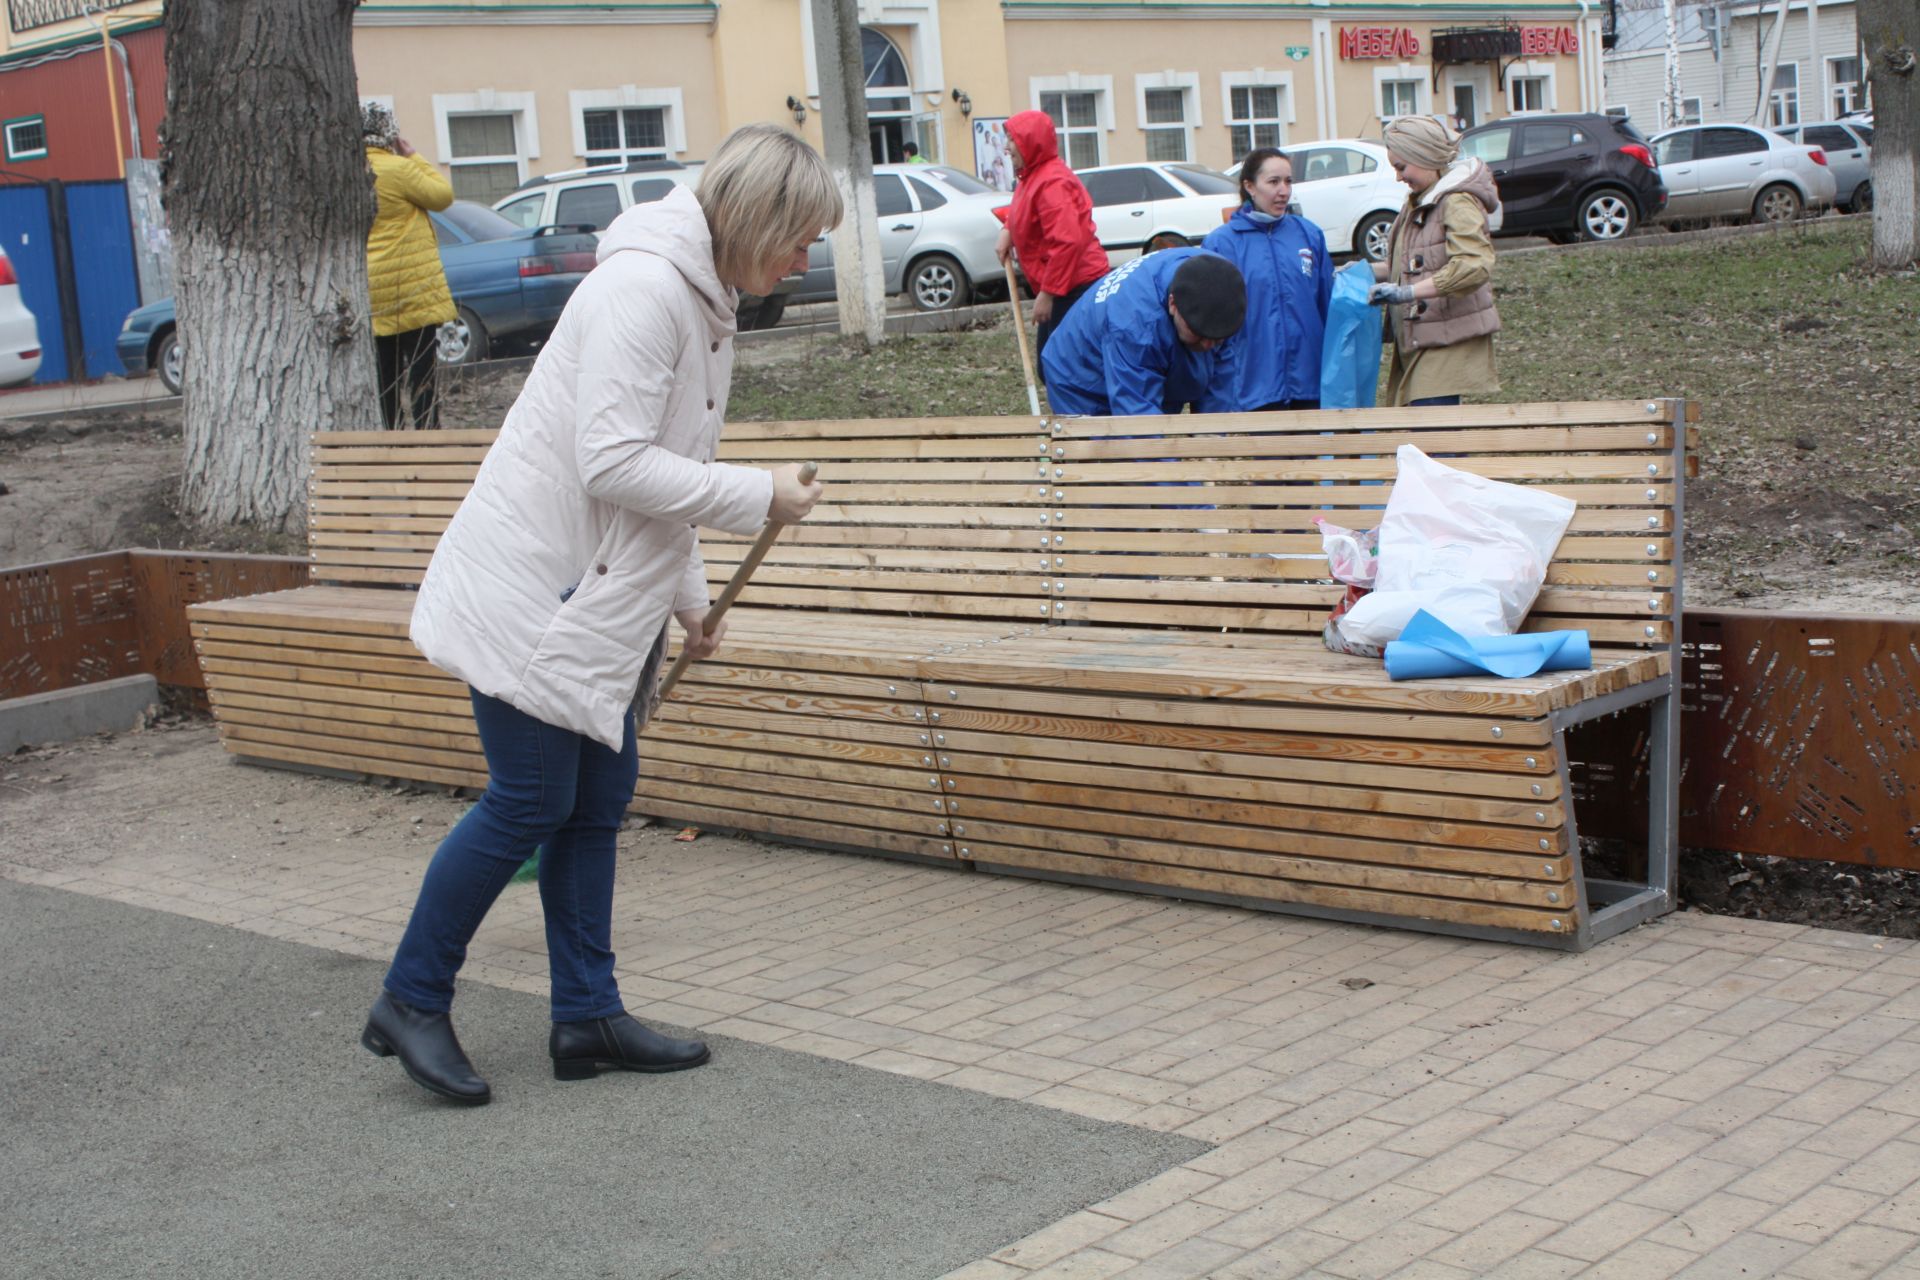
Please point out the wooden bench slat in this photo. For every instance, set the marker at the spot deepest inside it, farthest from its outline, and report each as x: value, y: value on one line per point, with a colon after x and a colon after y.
x: 1264, y: 889
x: 1654, y: 411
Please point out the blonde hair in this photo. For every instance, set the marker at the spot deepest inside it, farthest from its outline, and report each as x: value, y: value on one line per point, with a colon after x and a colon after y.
x: 764, y: 192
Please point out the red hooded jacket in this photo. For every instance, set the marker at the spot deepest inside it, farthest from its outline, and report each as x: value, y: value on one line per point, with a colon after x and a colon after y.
x: 1051, y: 217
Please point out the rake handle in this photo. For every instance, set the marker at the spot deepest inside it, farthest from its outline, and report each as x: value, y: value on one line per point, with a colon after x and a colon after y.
x: 1020, y: 327
x: 735, y: 585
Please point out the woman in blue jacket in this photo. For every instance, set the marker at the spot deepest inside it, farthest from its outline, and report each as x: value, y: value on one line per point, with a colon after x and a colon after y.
x: 1274, y: 361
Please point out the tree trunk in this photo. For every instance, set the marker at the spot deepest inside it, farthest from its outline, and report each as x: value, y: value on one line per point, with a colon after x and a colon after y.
x: 1890, y: 31
x: 269, y: 201
x: 859, y: 280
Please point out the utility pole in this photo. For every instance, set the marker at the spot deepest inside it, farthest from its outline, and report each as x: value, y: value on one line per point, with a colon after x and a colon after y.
x: 858, y: 283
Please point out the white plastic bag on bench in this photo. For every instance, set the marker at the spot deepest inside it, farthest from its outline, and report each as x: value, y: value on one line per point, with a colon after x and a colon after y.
x: 1471, y: 551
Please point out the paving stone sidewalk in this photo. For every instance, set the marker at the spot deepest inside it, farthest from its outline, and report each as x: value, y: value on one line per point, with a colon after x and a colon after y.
x: 1702, y: 1097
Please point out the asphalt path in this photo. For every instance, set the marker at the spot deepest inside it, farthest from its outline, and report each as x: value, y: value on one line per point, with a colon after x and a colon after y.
x: 185, y: 1099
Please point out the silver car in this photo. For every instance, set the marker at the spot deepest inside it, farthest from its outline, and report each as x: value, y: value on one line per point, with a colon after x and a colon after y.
x: 937, y: 231
x: 1849, y: 148
x: 1737, y: 171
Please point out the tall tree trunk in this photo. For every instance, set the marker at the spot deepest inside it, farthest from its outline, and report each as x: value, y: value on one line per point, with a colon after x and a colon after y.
x: 1890, y: 31
x: 269, y: 200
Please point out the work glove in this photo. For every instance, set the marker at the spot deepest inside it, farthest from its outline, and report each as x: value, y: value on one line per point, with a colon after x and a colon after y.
x: 1383, y: 295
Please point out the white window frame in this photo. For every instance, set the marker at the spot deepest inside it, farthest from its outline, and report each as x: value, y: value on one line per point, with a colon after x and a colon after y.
x: 581, y: 101
x: 1777, y: 99
x: 1422, y: 90
x: 1188, y: 85
x: 1549, y: 86
x: 1101, y: 87
x: 39, y: 118
x: 1854, y: 90
x: 485, y: 102
x: 1258, y: 78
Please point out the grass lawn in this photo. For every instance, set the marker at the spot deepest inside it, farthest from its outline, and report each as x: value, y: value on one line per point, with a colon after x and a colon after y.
x: 1807, y: 367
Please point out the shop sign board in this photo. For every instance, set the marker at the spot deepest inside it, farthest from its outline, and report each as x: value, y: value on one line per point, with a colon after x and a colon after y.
x: 1394, y: 43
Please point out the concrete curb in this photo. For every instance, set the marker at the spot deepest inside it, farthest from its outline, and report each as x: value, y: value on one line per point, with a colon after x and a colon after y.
x: 1654, y: 238
x: 106, y: 706
x: 906, y: 322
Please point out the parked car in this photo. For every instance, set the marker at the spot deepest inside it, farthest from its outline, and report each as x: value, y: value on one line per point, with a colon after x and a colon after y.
x: 1738, y: 171
x: 19, y: 332
x: 1138, y: 208
x: 1348, y: 190
x: 937, y: 230
x: 1569, y: 177
x: 508, y: 283
x: 594, y: 197
x: 1849, y: 147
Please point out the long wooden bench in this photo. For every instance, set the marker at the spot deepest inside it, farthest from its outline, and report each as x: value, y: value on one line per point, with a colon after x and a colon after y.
x: 1084, y: 649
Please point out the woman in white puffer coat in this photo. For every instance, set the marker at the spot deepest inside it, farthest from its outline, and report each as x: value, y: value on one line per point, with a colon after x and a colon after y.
x: 550, y: 591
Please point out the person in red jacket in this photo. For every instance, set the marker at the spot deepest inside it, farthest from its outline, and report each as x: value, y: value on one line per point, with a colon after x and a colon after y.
x: 1050, y: 224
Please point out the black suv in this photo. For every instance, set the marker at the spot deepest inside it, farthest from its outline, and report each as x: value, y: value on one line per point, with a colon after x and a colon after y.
x: 1569, y: 177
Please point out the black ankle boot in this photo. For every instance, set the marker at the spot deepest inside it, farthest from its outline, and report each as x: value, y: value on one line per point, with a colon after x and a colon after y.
x: 425, y: 1044
x: 581, y: 1049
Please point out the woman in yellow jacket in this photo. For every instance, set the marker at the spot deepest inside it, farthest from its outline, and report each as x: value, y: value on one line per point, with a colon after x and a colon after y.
x: 410, y: 296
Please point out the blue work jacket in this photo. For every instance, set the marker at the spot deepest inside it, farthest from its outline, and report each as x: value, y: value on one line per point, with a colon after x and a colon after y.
x: 1117, y: 352
x: 1276, y: 355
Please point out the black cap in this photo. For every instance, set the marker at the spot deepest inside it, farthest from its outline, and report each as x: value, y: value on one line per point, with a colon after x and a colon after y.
x: 1211, y: 295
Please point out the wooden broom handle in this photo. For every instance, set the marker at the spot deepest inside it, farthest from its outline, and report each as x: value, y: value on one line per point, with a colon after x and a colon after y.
x: 735, y: 585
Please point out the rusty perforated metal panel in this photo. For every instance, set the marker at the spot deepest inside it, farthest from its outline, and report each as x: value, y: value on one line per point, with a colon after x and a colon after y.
x: 122, y: 613
x: 1800, y: 738
x: 67, y: 622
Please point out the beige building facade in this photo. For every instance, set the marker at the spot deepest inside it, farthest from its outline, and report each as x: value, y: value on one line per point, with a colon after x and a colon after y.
x: 499, y: 92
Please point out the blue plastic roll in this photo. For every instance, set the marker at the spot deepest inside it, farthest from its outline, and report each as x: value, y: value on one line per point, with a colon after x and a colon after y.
x: 1429, y: 648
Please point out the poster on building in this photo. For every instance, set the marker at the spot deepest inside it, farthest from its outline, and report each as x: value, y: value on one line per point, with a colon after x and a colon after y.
x: 991, y: 163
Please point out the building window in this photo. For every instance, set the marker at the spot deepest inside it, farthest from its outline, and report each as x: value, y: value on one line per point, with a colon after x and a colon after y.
x: 1076, y: 123
x: 1255, y: 115
x: 27, y: 138
x: 632, y: 133
x: 1689, y: 111
x: 1399, y: 98
x: 1166, y: 124
x: 1783, y: 104
x: 1844, y: 75
x: 1527, y: 93
x: 485, y: 162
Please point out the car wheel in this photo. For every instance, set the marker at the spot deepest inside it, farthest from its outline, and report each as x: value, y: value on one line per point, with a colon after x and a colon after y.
x: 168, y: 362
x: 1862, y: 201
x: 1606, y: 215
x: 1166, y: 240
x: 938, y: 283
x: 463, y: 339
x: 1370, y: 241
x: 1777, y: 204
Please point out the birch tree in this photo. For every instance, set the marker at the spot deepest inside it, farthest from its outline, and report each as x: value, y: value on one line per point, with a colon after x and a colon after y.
x: 268, y: 199
x: 1890, y: 33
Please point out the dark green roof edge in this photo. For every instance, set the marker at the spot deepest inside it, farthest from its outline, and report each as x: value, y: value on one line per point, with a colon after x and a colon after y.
x: 92, y: 37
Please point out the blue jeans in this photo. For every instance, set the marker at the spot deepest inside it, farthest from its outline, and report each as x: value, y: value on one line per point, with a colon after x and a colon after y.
x: 549, y: 789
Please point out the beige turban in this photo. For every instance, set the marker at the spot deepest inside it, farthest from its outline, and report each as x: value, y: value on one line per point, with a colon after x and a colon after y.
x: 1424, y: 141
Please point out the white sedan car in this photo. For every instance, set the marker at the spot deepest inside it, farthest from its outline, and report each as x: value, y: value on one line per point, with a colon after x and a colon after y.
x: 19, y: 333
x: 1348, y: 190
x: 1138, y: 208
x: 1737, y: 171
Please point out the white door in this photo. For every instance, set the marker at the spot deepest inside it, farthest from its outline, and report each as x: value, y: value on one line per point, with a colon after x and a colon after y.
x: 1122, y: 209
x: 1677, y: 155
x: 1730, y: 162
x: 899, y: 225
x: 1334, y: 188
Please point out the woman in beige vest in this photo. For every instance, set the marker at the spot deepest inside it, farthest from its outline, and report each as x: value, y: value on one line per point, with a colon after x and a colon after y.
x: 1437, y: 281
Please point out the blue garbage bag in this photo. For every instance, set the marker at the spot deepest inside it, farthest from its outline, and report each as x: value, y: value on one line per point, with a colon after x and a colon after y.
x: 1350, y: 356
